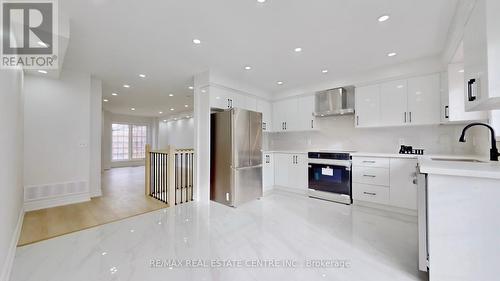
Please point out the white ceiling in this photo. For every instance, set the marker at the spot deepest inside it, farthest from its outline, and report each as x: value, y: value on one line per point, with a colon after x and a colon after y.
x: 116, y: 40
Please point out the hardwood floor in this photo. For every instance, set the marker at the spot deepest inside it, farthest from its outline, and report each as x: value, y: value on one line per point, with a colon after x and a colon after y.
x: 123, y: 197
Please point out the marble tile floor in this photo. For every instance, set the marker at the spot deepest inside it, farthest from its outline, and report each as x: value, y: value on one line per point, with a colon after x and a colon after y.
x: 283, y: 232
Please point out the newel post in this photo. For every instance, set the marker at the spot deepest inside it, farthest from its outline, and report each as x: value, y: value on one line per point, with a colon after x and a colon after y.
x: 148, y: 170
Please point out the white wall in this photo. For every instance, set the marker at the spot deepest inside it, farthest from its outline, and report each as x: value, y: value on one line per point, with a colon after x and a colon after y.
x: 408, y: 69
x: 339, y: 133
x: 108, y: 119
x: 95, y: 136
x: 57, y: 129
x: 178, y: 133
x: 11, y: 166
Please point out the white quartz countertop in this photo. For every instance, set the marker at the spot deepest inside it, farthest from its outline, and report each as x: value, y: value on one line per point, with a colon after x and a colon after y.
x: 384, y: 155
x: 486, y: 169
x: 286, y: 151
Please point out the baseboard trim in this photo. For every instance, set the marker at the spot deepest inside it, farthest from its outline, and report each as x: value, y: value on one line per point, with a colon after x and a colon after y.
x: 56, y: 201
x: 11, y: 254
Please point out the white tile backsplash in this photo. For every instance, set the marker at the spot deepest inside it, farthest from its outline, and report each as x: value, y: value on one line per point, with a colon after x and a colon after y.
x: 338, y: 132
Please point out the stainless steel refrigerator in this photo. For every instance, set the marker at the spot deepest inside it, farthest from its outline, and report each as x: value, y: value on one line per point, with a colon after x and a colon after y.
x: 236, y: 156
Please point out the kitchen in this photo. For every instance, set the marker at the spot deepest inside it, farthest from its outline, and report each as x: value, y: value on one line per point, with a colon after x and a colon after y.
x: 393, y: 144
x: 294, y: 140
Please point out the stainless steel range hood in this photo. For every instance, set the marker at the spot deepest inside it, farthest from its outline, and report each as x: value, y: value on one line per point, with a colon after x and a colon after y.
x: 338, y: 101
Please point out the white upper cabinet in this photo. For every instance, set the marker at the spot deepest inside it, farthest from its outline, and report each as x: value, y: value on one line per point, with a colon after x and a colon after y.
x: 393, y: 103
x: 294, y: 114
x: 481, y: 57
x: 305, y: 118
x: 222, y: 98
x: 285, y: 115
x: 367, y: 103
x: 424, y: 100
x: 265, y: 108
x: 413, y: 101
x: 454, y: 110
x: 279, y: 116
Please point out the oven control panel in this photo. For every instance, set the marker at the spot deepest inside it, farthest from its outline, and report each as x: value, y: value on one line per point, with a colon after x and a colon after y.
x: 329, y: 155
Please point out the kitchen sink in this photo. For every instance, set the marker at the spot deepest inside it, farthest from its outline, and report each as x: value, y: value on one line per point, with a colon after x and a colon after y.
x: 458, y: 160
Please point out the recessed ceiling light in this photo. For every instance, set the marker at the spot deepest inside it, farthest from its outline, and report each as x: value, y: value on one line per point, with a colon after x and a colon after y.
x: 105, y: 100
x: 114, y: 94
x: 279, y: 82
x: 142, y: 75
x: 126, y: 86
x: 400, y: 86
x: 248, y: 67
x: 203, y: 91
x: 133, y: 108
x: 164, y: 120
x: 298, y: 50
x: 324, y: 71
x: 170, y: 95
x: 186, y: 105
x: 42, y: 71
x: 261, y: 1
x: 461, y: 71
x: 197, y: 41
x: 172, y: 109
x: 391, y: 54
x: 188, y: 117
x: 160, y: 112
x: 383, y: 18
x: 190, y: 87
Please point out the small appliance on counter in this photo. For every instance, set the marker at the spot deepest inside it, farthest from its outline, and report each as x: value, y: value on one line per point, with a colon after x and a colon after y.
x: 330, y: 176
x: 410, y: 150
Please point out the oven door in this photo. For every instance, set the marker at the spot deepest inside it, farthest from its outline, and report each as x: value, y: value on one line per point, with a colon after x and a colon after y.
x: 330, y: 178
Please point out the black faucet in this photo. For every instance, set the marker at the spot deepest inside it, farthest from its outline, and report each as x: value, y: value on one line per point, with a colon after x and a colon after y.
x: 493, y: 151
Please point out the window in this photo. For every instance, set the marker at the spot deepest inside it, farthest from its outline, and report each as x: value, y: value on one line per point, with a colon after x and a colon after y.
x: 128, y: 142
x: 139, y: 139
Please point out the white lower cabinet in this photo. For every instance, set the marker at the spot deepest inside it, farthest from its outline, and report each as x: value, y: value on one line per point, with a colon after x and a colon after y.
x: 268, y: 171
x: 385, y: 181
x: 290, y: 171
x: 403, y: 183
x: 371, y: 193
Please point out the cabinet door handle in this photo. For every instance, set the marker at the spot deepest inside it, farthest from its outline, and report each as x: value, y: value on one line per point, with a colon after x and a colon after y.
x: 471, y: 94
x: 404, y: 116
x: 369, y: 161
x: 264, y: 126
x: 357, y: 120
x: 410, y: 116
x: 312, y: 124
x: 447, y: 112
x: 285, y: 125
x: 370, y: 193
x: 370, y: 176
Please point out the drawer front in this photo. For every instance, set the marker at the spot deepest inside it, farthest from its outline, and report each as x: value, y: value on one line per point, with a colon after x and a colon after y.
x: 370, y: 193
x: 369, y: 175
x: 371, y: 162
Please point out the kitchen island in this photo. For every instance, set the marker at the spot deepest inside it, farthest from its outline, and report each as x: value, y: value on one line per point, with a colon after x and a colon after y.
x: 463, y: 219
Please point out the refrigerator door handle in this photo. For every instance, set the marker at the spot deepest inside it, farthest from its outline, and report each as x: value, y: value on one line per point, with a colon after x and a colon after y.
x: 249, y: 167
